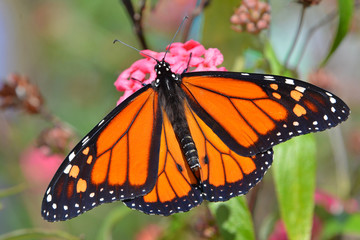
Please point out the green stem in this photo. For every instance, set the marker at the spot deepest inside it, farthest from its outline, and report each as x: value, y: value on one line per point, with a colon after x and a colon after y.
x: 288, y: 56
x: 12, y: 190
x: 110, y: 221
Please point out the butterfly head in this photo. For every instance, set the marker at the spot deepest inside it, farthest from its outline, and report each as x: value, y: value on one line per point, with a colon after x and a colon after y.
x: 163, y: 73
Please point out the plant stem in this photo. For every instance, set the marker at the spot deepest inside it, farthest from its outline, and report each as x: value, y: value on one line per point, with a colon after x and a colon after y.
x: 137, y: 18
x: 327, y: 19
x: 288, y: 56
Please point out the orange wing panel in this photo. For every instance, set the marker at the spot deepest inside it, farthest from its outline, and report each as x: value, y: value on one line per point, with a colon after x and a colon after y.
x: 224, y: 174
x: 223, y: 111
x: 120, y: 123
x: 176, y: 187
x: 252, y: 114
x: 228, y: 86
x: 240, y: 112
x: 118, y: 167
x: 100, y: 169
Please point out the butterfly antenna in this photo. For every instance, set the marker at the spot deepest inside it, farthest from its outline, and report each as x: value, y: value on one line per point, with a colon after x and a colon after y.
x: 116, y: 40
x: 173, y: 39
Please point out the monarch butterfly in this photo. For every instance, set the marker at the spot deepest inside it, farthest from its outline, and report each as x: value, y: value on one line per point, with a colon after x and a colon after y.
x: 186, y: 138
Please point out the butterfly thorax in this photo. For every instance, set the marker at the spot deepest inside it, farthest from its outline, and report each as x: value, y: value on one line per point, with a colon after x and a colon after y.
x: 172, y: 100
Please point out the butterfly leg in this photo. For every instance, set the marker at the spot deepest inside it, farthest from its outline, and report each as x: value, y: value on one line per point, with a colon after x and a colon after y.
x: 143, y: 84
x: 188, y: 64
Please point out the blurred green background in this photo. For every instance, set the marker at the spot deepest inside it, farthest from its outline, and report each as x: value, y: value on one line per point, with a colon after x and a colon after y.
x: 65, y: 48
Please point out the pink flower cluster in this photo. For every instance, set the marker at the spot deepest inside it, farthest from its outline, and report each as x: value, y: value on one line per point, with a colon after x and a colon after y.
x: 39, y: 164
x: 142, y: 71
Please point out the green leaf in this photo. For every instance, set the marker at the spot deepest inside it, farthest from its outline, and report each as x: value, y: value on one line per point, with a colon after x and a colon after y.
x: 37, y: 234
x: 107, y: 224
x: 294, y: 174
x: 177, y: 226
x: 233, y: 218
x: 343, y: 224
x: 346, y: 9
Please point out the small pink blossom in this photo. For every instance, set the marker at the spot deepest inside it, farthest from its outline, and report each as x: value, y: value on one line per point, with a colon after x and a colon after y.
x: 279, y: 232
x: 150, y: 232
x: 334, y: 205
x: 38, y: 165
x: 142, y: 71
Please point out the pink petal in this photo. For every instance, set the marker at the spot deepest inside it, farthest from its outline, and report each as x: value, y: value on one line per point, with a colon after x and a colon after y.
x: 178, y: 58
x: 213, y: 57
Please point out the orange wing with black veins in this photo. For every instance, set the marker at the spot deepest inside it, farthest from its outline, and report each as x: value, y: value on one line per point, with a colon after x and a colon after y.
x: 251, y: 113
x: 224, y: 173
x: 176, y: 189
x: 117, y: 160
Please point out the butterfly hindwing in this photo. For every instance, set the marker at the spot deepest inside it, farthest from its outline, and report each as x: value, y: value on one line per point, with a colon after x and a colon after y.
x: 176, y: 189
x: 117, y: 160
x: 253, y: 112
x: 224, y: 173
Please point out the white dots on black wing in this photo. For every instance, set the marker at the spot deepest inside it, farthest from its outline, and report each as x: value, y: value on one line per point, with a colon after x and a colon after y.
x: 85, y: 140
x: 71, y: 156
x: 289, y: 81
x: 67, y: 169
x: 101, y: 122
x: 178, y: 204
x: 49, y: 198
x: 300, y: 89
x: 269, y: 78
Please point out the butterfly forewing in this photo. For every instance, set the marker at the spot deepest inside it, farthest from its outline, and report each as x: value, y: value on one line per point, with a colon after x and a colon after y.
x: 117, y: 160
x: 253, y: 112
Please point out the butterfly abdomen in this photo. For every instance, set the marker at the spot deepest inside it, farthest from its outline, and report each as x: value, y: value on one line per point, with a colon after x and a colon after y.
x: 172, y: 100
x: 174, y: 108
